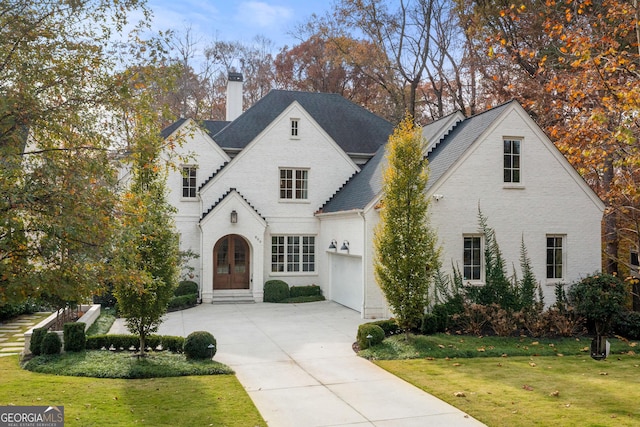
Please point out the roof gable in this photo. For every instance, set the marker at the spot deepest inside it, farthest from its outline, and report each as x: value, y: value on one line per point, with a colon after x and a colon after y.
x: 456, y: 136
x: 352, y: 127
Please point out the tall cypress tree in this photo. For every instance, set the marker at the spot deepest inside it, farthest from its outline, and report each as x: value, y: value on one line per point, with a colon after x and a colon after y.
x: 406, y: 250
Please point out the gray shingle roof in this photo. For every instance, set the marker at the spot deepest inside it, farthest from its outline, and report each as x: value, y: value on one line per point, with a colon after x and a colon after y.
x: 362, y: 188
x: 353, y: 128
x: 211, y: 126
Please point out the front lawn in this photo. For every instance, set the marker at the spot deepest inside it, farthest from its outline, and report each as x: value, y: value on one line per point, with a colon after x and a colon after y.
x: 218, y: 400
x: 532, y: 391
x: 520, y: 381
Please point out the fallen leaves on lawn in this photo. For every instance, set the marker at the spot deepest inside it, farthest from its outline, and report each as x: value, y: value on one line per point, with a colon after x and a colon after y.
x: 554, y: 393
x: 459, y: 394
x: 527, y: 387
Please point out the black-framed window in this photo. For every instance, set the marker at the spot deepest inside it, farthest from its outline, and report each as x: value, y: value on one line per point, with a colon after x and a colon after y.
x: 472, y: 258
x: 292, y: 254
x: 512, y: 153
x: 189, y: 177
x: 555, y: 257
x: 294, y: 184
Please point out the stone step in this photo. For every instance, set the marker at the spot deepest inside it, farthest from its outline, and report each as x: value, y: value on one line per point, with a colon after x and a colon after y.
x: 232, y: 297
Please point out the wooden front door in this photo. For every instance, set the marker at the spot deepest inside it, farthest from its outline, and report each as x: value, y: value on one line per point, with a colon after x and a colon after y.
x: 231, y: 263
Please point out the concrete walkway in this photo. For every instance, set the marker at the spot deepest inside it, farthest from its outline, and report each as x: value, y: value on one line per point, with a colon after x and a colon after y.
x: 297, y: 364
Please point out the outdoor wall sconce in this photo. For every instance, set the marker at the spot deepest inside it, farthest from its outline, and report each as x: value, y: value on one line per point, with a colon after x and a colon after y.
x: 345, y: 246
x: 234, y: 217
x: 334, y: 245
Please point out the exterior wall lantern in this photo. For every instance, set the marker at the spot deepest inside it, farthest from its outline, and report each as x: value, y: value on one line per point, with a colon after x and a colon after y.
x: 345, y: 246
x: 234, y: 217
x: 334, y: 245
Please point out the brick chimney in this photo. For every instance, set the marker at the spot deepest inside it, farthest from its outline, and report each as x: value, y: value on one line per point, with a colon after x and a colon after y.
x: 234, y: 96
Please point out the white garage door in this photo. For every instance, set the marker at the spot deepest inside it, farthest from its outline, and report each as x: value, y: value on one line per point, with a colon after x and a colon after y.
x: 346, y: 281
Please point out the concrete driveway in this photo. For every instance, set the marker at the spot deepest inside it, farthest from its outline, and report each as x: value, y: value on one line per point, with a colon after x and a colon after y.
x: 297, y: 364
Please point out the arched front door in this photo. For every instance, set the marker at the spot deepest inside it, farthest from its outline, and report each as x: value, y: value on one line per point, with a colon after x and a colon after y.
x: 231, y: 263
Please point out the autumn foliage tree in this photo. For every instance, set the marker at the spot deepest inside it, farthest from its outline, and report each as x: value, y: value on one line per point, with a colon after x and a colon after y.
x: 146, y: 254
x: 406, y: 253
x: 56, y: 180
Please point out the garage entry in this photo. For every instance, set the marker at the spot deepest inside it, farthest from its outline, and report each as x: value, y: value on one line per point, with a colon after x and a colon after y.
x: 346, y: 280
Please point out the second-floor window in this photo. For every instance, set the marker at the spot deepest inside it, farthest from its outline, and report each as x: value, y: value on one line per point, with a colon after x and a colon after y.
x: 294, y: 128
x: 293, y: 184
x: 555, y: 257
x: 189, y: 174
x: 512, y: 160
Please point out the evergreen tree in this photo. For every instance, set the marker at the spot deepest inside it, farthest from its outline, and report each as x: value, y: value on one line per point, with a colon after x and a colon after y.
x: 406, y: 256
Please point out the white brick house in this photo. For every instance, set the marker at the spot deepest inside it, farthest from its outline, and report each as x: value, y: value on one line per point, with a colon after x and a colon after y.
x: 289, y: 188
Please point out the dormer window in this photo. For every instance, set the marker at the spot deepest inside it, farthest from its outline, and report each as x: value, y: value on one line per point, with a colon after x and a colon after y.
x: 294, y: 128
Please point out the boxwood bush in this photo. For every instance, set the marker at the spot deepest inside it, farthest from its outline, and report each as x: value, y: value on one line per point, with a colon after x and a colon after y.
x: 369, y: 329
x: 51, y: 344
x: 196, y: 345
x: 186, y: 287
x: 74, y: 336
x: 183, y: 301
x: 124, y: 342
x: 275, y: 291
x: 36, y: 340
x: 305, y: 291
x: 389, y: 326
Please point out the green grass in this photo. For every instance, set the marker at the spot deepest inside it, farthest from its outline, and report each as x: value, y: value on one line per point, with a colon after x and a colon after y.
x: 444, y: 345
x: 106, y: 364
x: 520, y: 381
x: 218, y: 400
x: 532, y: 391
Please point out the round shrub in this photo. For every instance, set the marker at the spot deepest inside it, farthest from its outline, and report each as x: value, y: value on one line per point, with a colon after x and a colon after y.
x: 196, y: 346
x: 51, y: 344
x: 275, y: 291
x: 186, y: 287
x: 36, y: 340
x: 374, y: 331
x: 74, y: 336
x: 599, y: 298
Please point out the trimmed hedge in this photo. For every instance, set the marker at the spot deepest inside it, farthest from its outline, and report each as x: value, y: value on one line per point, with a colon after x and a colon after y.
x: 369, y: 329
x: 36, y: 340
x: 305, y: 291
x: 51, y: 344
x: 275, y: 291
x: 124, y: 342
x: 186, y: 287
x: 74, y: 336
x: 182, y: 302
x: 196, y: 346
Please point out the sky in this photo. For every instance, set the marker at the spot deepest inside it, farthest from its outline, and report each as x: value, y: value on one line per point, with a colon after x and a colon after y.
x: 228, y: 20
